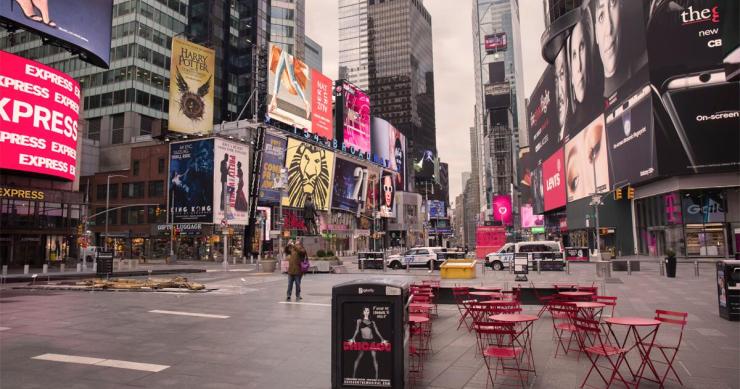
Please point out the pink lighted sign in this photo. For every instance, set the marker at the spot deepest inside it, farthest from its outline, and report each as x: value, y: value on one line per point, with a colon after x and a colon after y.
x: 672, y: 207
x: 39, y: 109
x: 502, y: 209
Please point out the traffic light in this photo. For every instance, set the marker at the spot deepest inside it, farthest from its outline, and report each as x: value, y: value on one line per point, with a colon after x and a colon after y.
x: 618, y: 194
x: 157, y: 211
x: 80, y: 229
x: 630, y: 193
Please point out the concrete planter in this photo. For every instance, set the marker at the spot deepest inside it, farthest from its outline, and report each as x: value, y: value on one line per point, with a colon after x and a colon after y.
x: 268, y: 265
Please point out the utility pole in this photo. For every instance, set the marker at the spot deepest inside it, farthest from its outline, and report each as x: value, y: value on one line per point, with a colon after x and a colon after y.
x: 596, y: 201
x: 107, y: 205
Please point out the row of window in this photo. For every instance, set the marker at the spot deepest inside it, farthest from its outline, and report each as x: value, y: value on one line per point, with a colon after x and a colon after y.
x: 125, y: 74
x: 132, y: 215
x: 129, y: 95
x: 130, y: 190
x: 144, y: 31
x: 127, y: 7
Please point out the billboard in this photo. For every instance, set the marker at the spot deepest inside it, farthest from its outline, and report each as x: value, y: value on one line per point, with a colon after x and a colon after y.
x: 352, y: 117
x: 389, y: 149
x: 350, y: 185
x: 192, y: 72
x: 426, y: 166
x: 230, y: 185
x: 372, y: 200
x: 387, y: 193
x: 537, y: 188
x: 191, y: 181
x: 629, y: 129
x: 310, y: 172
x: 321, y: 105
x: 39, y: 111
x: 586, y: 160
x: 553, y: 181
x: 502, y: 209
x: 437, y: 209
x: 495, y: 42
x: 82, y: 25
x: 546, y: 132
x: 529, y: 218
x: 289, y: 89
x: 273, y: 159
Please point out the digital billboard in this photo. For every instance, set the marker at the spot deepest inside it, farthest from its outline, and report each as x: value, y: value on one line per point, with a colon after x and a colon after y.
x: 387, y: 193
x: 389, y: 149
x: 273, y: 160
x: 321, y: 105
x: 426, y: 166
x: 538, y: 194
x: 310, y: 173
x: 230, y: 182
x: 82, y: 25
x: 372, y: 200
x: 529, y: 218
x: 192, y: 71
x: 352, y: 117
x: 495, y: 42
x: 502, y: 209
x: 191, y: 181
x: 350, y: 185
x: 39, y: 111
x: 437, y: 209
x: 553, y: 181
x: 586, y: 162
x: 545, y: 131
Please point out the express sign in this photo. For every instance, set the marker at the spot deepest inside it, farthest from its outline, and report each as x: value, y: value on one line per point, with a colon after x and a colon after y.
x: 39, y: 110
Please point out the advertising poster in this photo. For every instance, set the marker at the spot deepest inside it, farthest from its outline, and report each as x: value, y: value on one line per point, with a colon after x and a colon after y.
x: 529, y: 219
x: 502, y: 209
x: 372, y: 200
x: 437, y: 209
x: 489, y: 239
x: 367, y: 334
x: 273, y: 159
x: 629, y: 129
x: 426, y: 166
x: 191, y: 181
x: 321, y: 106
x: 350, y: 185
x: 586, y: 159
x: 310, y: 172
x: 354, y: 110
x: 231, y: 182
x: 83, y: 24
x: 192, y: 73
x: 538, y: 194
x: 39, y: 111
x: 387, y: 194
x: 289, y: 89
x: 265, y: 224
x: 389, y: 149
x: 495, y: 42
x: 553, y: 185
x: 546, y: 132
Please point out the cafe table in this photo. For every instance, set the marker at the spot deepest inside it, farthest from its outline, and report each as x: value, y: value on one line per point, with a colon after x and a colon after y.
x: 487, y: 288
x: 588, y: 309
x: 642, y: 342
x: 575, y: 296
x: 524, y: 333
x: 485, y: 295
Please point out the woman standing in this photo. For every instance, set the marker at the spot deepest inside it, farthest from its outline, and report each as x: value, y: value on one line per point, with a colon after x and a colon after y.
x: 296, y: 253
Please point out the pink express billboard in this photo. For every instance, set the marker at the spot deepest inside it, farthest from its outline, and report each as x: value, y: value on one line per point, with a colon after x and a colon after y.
x: 502, y: 209
x: 39, y: 109
x: 553, y: 180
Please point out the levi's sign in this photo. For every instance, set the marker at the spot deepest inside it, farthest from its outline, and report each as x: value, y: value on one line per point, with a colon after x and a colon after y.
x: 39, y: 109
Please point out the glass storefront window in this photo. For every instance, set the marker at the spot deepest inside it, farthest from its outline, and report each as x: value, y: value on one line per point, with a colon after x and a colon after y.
x: 705, y: 240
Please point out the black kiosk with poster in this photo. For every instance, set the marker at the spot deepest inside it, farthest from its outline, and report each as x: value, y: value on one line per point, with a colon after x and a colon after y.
x: 728, y: 289
x: 369, y: 334
x: 521, y: 266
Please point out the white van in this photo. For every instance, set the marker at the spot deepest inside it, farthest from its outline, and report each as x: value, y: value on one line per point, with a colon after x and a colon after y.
x: 548, y: 252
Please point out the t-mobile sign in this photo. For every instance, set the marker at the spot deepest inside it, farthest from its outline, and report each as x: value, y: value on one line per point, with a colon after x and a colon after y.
x: 39, y: 108
x: 502, y: 209
x: 553, y: 180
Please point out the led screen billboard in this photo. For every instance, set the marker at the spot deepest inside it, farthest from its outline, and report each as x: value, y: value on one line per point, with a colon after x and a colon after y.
x: 82, y: 25
x: 426, y: 166
x: 529, y: 218
x: 387, y: 193
x: 495, y: 42
x: 310, y: 173
x: 586, y: 162
x: 230, y: 182
x: 191, y: 181
x: 502, y: 209
x: 350, y: 185
x: 193, y: 70
x: 546, y: 132
x: 352, y: 117
x: 372, y: 199
x: 273, y: 160
x: 389, y: 149
x: 437, y: 209
x: 39, y: 111
x: 553, y: 181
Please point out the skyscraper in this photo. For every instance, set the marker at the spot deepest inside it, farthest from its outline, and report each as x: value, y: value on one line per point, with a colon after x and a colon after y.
x: 353, y: 42
x: 288, y: 26
x: 314, y: 54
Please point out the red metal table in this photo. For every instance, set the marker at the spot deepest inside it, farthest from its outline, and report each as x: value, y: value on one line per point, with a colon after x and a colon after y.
x: 524, y: 334
x: 487, y: 288
x: 640, y: 340
x: 487, y: 295
x: 590, y: 310
x: 574, y: 296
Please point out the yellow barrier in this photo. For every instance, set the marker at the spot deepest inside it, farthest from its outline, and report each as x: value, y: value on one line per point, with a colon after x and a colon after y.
x: 457, y: 268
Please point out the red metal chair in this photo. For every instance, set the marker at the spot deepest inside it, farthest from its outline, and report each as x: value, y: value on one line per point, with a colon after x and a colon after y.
x: 505, y: 308
x: 669, y: 351
x: 610, y: 302
x: 593, y: 289
x: 503, y: 345
x: 592, y: 340
x: 545, y: 301
x: 512, y: 295
x: 460, y: 294
x: 562, y: 324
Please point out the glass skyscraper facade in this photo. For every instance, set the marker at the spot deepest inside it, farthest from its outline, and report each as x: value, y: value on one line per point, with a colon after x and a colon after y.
x: 353, y: 42
x: 288, y: 26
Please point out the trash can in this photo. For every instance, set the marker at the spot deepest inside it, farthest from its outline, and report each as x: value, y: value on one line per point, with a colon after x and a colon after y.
x: 368, y: 334
x: 728, y: 289
x: 104, y: 260
x: 670, y: 267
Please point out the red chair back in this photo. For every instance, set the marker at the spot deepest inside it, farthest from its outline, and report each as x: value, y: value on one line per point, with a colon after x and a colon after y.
x: 609, y: 301
x: 506, y: 308
x: 674, y: 318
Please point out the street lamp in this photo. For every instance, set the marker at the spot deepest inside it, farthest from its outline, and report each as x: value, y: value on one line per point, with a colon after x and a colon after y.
x: 107, y: 202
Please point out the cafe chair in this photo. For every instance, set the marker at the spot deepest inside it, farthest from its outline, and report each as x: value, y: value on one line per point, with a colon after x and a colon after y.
x: 460, y: 295
x: 545, y: 301
x: 503, y: 346
x: 562, y: 325
x: 669, y: 350
x: 592, y: 341
x: 610, y: 302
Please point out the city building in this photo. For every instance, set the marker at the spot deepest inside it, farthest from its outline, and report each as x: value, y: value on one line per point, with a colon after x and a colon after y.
x: 353, y: 43
x: 288, y: 26
x: 496, y: 113
x: 314, y: 54
x: 470, y: 195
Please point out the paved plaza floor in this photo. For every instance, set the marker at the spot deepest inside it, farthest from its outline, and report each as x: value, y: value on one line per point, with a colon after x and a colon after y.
x: 244, y: 335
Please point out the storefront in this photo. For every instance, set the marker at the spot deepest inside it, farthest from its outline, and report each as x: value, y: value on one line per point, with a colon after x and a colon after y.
x: 692, y: 223
x: 614, y: 225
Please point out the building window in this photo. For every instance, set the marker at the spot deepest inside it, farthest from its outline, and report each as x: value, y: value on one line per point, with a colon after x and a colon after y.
x: 100, y: 191
x: 133, y: 190
x: 135, y: 167
x: 156, y: 188
x: 160, y: 166
x: 93, y: 129
x: 135, y: 215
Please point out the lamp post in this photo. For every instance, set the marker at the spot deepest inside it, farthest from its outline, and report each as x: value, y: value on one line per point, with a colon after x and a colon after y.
x: 596, y: 201
x: 107, y: 203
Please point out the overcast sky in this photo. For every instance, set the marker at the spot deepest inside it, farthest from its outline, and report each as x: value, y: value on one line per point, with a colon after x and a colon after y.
x: 453, y: 67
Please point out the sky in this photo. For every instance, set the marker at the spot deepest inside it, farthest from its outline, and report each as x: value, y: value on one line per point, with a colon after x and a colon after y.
x: 453, y: 68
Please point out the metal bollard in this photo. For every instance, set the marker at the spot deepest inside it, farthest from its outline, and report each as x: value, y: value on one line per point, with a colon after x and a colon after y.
x: 45, y: 269
x: 95, y: 267
x: 361, y: 264
x: 25, y: 269
x: 661, y: 267
x: 61, y: 268
x: 567, y: 267
x: 599, y: 269
x: 130, y: 264
x: 608, y: 270
x: 539, y: 266
x: 696, y: 268
x: 79, y: 267
x: 5, y: 270
x: 407, y: 266
x: 629, y: 267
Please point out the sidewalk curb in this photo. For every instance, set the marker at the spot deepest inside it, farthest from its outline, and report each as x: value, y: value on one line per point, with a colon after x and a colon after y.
x: 75, y: 275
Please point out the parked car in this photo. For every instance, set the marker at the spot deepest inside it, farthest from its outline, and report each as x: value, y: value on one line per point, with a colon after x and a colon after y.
x: 89, y: 253
x: 416, y: 257
x: 548, y: 252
